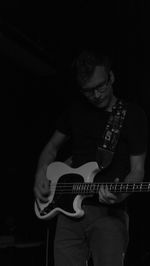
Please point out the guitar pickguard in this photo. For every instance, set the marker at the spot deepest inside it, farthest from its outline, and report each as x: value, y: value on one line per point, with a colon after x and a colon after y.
x: 64, y: 195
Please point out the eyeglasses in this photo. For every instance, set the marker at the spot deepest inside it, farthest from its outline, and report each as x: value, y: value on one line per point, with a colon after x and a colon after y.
x: 100, y: 88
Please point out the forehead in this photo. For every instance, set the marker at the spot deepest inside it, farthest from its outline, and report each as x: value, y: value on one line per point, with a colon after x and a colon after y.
x: 99, y: 75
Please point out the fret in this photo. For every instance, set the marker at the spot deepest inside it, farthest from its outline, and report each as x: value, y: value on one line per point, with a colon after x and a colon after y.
x: 87, y: 187
x: 78, y: 187
x: 124, y: 187
x: 74, y: 187
x: 82, y: 187
x: 93, y: 187
x: 137, y: 187
x: 113, y: 187
x: 110, y: 187
x: 119, y: 187
x: 127, y: 185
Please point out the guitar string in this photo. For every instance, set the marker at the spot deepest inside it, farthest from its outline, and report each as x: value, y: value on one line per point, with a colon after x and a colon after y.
x: 113, y: 184
x: 86, y: 189
x: 91, y: 192
x: 97, y: 185
x: 67, y: 188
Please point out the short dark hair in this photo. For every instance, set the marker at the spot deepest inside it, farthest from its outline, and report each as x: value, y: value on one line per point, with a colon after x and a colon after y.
x: 87, y: 61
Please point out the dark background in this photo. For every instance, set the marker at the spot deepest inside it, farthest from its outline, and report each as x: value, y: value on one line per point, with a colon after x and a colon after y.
x: 37, y: 49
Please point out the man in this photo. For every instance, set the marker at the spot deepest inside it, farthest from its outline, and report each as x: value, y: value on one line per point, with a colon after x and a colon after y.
x: 102, y: 232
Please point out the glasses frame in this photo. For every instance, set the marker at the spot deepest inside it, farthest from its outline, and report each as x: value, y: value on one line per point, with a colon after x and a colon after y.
x: 99, y: 88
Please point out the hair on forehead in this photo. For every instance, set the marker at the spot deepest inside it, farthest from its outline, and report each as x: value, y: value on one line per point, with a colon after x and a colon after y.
x: 87, y: 61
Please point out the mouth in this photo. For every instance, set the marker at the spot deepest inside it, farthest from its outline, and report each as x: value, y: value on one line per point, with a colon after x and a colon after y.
x: 98, y: 102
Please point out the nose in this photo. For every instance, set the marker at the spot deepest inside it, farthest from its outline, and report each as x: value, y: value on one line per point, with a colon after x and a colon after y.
x: 97, y: 94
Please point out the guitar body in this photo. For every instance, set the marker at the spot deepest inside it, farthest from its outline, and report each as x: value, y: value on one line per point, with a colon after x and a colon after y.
x: 69, y: 186
x: 63, y: 198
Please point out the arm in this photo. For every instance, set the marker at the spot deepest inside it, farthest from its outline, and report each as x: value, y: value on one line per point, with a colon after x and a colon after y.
x: 48, y: 155
x: 136, y: 137
x: 135, y: 175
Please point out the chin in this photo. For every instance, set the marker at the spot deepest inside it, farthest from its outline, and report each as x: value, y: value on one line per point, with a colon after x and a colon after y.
x: 101, y: 105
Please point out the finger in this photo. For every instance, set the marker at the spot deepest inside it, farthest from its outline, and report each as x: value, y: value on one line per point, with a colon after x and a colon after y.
x: 45, y: 189
x: 102, y: 189
x: 101, y: 197
x: 111, y: 195
x: 107, y: 196
x: 106, y: 193
x: 42, y: 189
x: 41, y: 197
x: 43, y: 186
x: 106, y: 200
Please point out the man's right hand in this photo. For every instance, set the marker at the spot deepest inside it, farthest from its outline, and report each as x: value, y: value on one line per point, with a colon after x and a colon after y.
x: 41, y: 185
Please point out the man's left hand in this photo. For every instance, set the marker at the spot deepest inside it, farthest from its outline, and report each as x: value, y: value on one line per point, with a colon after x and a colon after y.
x: 105, y: 196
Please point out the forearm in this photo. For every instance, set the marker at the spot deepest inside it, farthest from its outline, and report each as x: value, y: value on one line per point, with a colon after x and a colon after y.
x: 47, y: 156
x: 49, y: 153
x: 132, y: 177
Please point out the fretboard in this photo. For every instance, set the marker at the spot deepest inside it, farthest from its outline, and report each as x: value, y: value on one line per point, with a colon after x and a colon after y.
x: 90, y: 188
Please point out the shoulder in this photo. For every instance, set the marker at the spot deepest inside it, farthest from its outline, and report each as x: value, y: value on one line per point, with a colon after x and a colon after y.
x: 136, y: 129
x: 135, y: 113
x: 134, y: 107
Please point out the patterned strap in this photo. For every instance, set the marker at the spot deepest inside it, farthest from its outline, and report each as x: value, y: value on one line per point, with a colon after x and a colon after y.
x: 111, y: 134
x: 113, y: 127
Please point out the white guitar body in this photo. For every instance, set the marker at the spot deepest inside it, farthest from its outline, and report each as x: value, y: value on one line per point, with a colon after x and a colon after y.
x: 54, y: 172
x: 69, y: 186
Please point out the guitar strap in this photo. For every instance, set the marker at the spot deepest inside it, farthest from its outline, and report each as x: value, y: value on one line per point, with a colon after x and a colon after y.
x: 108, y: 142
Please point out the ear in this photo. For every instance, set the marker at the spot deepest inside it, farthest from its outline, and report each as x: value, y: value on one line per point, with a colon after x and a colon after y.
x: 112, y: 77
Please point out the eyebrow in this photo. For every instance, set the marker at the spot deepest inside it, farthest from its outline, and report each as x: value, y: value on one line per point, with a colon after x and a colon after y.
x: 93, y: 88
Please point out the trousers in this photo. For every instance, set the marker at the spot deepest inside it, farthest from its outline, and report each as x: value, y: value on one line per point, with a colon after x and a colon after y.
x: 102, y: 233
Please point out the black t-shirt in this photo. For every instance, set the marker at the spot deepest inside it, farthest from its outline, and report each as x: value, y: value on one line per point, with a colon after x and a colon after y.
x: 85, y: 124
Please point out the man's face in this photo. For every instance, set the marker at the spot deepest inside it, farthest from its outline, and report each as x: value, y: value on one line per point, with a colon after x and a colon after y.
x: 98, y: 89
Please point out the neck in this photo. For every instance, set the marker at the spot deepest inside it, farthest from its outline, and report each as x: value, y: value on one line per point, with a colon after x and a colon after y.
x: 111, y: 103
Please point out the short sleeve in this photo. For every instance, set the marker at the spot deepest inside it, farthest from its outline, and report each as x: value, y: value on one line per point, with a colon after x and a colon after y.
x: 137, y: 130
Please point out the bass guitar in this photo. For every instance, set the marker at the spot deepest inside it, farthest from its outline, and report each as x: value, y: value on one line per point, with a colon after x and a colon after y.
x: 69, y: 186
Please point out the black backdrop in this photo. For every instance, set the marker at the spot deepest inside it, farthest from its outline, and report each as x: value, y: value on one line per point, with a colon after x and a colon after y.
x: 37, y: 49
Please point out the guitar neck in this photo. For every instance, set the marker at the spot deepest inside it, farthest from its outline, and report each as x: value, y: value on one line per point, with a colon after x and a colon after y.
x: 92, y: 188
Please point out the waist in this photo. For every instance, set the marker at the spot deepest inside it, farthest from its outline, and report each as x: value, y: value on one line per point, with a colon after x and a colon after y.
x: 94, y: 201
